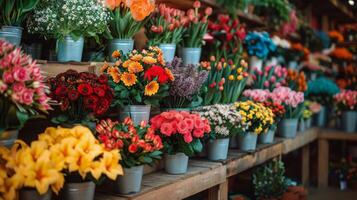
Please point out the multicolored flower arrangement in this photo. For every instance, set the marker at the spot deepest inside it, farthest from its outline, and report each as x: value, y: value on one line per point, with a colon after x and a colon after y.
x: 341, y: 53
x: 346, y: 100
x: 336, y: 36
x: 196, y: 26
x: 82, y: 96
x: 296, y: 80
x: 223, y: 118
x: 291, y: 100
x: 185, y: 88
x: 225, y: 81
x: 138, y: 145
x: 22, y: 88
x: 322, y: 90
x: 259, y: 44
x: 255, y: 117
x: 181, y: 131
x: 270, y: 78
x: 139, y: 78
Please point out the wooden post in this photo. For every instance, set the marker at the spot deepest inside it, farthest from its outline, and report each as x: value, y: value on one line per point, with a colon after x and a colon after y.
x: 219, y: 192
x: 305, y: 168
x: 323, y: 159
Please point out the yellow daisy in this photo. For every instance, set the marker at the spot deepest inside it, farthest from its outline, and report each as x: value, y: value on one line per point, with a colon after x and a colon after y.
x: 135, y: 67
x: 152, y: 88
x: 128, y: 79
x: 149, y: 60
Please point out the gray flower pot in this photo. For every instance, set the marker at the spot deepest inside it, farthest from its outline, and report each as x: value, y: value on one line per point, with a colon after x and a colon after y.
x: 308, y: 123
x: 288, y: 128
x: 124, y: 45
x: 12, y: 34
x: 320, y: 119
x: 268, y: 137
x: 302, y: 126
x: 218, y: 149
x: 34, y: 50
x: 233, y: 142
x: 79, y: 191
x: 69, y: 49
x: 8, y: 138
x: 168, y: 50
x: 191, y: 56
x: 130, y: 182
x: 176, y: 163
x: 32, y: 194
x: 247, y: 141
x: 349, y: 120
x: 137, y: 113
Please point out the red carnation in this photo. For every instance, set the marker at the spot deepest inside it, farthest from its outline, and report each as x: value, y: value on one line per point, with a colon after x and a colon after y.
x: 61, y: 91
x: 73, y: 95
x: 64, y: 104
x: 133, y: 148
x: 90, y: 102
x: 102, y: 107
x: 103, y: 79
x: 156, y: 71
x: 85, y: 89
x: 99, y: 91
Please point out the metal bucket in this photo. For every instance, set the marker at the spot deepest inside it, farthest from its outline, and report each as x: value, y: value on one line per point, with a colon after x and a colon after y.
x: 218, y: 149
x: 130, y: 182
x: 247, y: 141
x: 268, y: 137
x: 176, y: 163
x: 349, y: 120
x: 12, y: 34
x: 320, y: 119
x: 308, y: 123
x: 288, y: 128
x: 233, y: 142
x: 168, y: 50
x: 70, y: 49
x: 79, y: 191
x: 124, y: 45
x: 137, y: 113
x: 302, y: 126
x: 32, y: 194
x: 191, y: 56
x: 34, y: 50
x: 8, y: 138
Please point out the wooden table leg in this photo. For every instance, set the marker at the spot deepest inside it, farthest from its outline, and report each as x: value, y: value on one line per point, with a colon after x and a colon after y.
x: 323, y: 159
x: 305, y: 169
x: 219, y: 192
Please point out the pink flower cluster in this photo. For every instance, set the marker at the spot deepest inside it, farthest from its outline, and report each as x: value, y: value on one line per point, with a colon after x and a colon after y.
x: 188, y: 125
x: 271, y: 77
x: 257, y: 95
x: 286, y: 96
x: 21, y: 81
x: 347, y: 99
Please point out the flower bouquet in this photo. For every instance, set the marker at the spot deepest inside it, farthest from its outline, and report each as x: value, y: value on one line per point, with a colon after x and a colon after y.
x: 296, y: 53
x: 138, y: 145
x: 256, y: 119
x: 139, y: 80
x: 269, y: 78
x: 69, y: 22
x: 23, y: 92
x: 341, y: 54
x: 322, y: 90
x: 181, y: 133
x: 225, y: 81
x: 346, y: 102
x: 305, y: 119
x: 296, y: 80
x: 224, y: 121
x: 336, y: 37
x: 184, y: 90
x: 165, y: 29
x: 82, y: 97
x: 127, y: 18
x: 195, y: 29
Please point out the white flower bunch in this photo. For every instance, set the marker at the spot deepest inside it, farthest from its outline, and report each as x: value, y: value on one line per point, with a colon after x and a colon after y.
x: 223, y: 118
x: 280, y: 42
x: 60, y: 18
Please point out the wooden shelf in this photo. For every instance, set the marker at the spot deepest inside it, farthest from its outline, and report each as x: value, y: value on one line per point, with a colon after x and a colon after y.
x: 348, y: 44
x: 51, y: 69
x: 300, y: 140
x: 337, y: 135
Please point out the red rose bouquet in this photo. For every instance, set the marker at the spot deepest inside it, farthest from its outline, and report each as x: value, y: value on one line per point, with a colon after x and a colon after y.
x: 138, y: 145
x: 23, y: 92
x: 82, y: 96
x: 181, y: 131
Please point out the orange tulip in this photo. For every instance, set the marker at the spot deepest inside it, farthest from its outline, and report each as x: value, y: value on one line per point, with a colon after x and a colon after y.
x: 140, y: 9
x: 112, y: 4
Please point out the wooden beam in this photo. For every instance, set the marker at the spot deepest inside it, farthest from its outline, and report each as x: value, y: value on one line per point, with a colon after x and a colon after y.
x: 337, y: 135
x: 305, y: 168
x: 300, y: 140
x: 219, y: 192
x: 323, y: 159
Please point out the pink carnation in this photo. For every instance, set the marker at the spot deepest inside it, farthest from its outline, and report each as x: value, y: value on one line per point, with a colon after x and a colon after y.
x: 27, y: 97
x: 8, y: 77
x: 20, y: 74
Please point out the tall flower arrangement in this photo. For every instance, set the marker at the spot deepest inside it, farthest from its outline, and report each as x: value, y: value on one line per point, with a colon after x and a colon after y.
x: 269, y: 78
x: 259, y: 44
x: 23, y: 92
x: 296, y: 80
x: 14, y: 12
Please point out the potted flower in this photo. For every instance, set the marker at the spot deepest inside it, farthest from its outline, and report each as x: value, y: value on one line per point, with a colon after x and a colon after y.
x: 184, y: 90
x: 23, y: 92
x: 224, y: 120
x: 256, y: 119
x: 315, y: 108
x: 293, y: 103
x: 31, y: 172
x: 126, y: 19
x: 83, y: 159
x: 180, y: 132
x: 12, y: 15
x: 269, y: 78
x: 195, y: 29
x: 165, y: 29
x: 82, y: 97
x: 296, y: 80
x: 259, y: 45
x: 346, y: 102
x: 305, y: 119
x: 138, y: 146
x: 139, y: 80
x: 69, y: 22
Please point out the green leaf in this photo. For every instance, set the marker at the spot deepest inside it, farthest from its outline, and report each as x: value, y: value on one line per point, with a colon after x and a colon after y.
x: 145, y: 159
x: 197, y: 145
x: 22, y: 117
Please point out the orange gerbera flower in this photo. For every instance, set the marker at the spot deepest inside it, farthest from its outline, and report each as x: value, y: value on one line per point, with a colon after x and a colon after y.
x: 135, y: 67
x: 127, y: 63
x: 104, y: 67
x: 149, y: 60
x: 112, y: 4
x: 116, y: 54
x: 136, y: 57
x: 169, y: 74
x: 336, y: 35
x: 152, y: 88
x: 114, y: 73
x: 140, y: 9
x: 128, y: 79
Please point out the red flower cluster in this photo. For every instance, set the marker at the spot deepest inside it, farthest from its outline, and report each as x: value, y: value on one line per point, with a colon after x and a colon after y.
x: 81, y: 92
x: 163, y: 75
x: 228, y: 28
x: 277, y: 109
x: 188, y: 125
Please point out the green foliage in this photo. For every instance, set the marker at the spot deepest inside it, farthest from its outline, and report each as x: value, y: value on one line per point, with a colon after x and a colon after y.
x: 232, y: 6
x: 166, y: 36
x: 177, y: 144
x: 276, y: 11
x: 13, y: 12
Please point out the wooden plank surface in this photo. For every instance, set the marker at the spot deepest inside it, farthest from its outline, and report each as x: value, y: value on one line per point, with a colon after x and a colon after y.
x: 51, y: 69
x: 300, y: 140
x: 323, y: 159
x: 329, y: 134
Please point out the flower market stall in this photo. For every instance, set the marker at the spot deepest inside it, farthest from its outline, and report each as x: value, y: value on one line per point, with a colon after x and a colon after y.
x: 197, y: 99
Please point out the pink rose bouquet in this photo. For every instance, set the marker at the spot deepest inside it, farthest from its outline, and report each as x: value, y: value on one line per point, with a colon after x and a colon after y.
x: 292, y: 101
x: 346, y: 100
x: 23, y: 92
x: 257, y: 95
x: 271, y: 77
x: 181, y: 131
